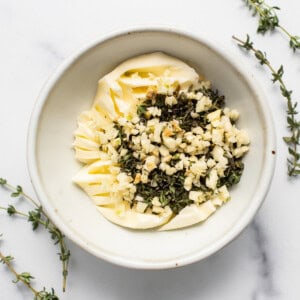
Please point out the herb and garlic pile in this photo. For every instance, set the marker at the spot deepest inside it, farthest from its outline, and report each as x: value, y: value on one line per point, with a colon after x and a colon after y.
x: 166, y: 155
x: 180, y: 149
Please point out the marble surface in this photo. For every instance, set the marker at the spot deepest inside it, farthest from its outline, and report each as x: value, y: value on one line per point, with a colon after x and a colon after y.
x: 262, y: 263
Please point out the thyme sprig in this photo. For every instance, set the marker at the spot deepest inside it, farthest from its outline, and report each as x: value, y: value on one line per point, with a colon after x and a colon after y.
x: 268, y: 20
x: 26, y: 278
x: 293, y: 141
x: 37, y: 217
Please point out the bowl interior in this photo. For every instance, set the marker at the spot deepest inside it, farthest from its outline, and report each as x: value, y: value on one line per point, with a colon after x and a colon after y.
x: 71, y: 90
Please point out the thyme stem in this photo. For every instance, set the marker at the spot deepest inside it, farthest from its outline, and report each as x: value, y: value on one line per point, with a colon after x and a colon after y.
x: 293, y: 141
x: 26, y: 278
x: 285, y: 31
x: 14, y: 272
x: 20, y: 192
x: 16, y: 211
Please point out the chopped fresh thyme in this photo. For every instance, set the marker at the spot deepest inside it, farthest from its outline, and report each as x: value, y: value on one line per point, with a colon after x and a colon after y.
x: 233, y: 173
x: 182, y: 110
x: 169, y: 189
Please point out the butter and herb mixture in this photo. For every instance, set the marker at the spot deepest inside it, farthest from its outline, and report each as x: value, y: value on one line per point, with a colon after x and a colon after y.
x: 159, y: 146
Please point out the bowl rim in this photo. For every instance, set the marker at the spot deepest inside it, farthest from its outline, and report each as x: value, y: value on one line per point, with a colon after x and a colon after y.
x: 243, y: 221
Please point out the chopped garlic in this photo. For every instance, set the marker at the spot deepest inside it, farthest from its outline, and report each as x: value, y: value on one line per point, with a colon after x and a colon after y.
x: 151, y: 163
x: 170, y: 100
x: 223, y: 193
x: 218, y: 153
x: 170, y: 143
x: 242, y: 138
x: 141, y: 207
x: 215, y: 115
x: 238, y: 152
x: 234, y: 115
x: 164, y: 151
x: 155, y: 201
x: 211, y: 163
x: 194, y: 115
x: 154, y: 111
x: 203, y: 104
x: 188, y: 181
x: 157, y: 209
x: 217, y: 136
x: 157, y: 132
x: 217, y: 201
x: 212, y: 179
x: 139, y: 198
x: 197, y: 130
x: 199, y: 168
x: 170, y: 170
x: 144, y: 178
x: 195, y: 195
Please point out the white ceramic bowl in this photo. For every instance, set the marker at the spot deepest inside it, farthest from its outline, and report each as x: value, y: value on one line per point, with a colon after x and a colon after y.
x: 51, y: 160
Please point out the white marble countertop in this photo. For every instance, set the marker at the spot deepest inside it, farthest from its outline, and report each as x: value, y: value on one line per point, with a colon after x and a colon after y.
x: 262, y: 263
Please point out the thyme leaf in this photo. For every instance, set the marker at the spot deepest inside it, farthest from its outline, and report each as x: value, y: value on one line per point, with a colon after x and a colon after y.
x: 11, y: 210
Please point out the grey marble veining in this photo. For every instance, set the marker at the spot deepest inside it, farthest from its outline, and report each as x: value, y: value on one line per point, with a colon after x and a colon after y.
x: 51, y: 50
x: 265, y: 288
